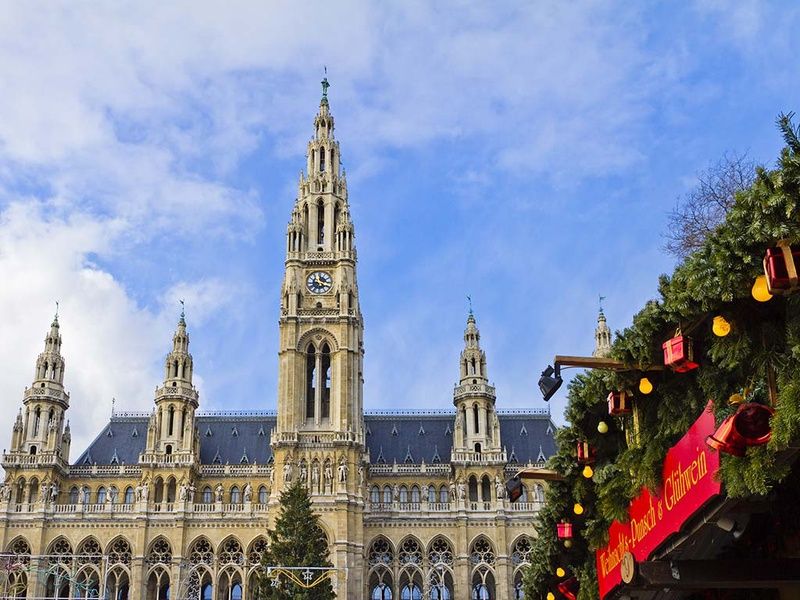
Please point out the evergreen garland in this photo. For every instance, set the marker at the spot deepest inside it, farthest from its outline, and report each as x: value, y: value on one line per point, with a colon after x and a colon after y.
x: 715, y: 280
x: 296, y: 541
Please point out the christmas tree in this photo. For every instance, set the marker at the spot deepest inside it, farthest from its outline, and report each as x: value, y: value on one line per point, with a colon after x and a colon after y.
x: 296, y: 541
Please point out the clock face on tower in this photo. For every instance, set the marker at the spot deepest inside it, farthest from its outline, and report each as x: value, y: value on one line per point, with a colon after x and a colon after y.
x: 319, y: 282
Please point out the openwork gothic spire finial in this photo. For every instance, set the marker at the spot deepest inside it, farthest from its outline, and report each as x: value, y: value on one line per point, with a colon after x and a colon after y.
x: 55, y: 318
x: 601, y: 298
x: 183, y: 312
x: 469, y: 300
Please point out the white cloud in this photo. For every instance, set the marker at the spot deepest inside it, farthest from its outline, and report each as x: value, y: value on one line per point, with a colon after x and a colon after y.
x: 123, y: 124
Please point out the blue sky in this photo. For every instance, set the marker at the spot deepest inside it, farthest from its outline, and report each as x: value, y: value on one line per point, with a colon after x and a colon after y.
x: 526, y: 154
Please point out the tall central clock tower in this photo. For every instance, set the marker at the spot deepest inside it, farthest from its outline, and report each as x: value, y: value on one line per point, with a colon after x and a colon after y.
x: 319, y: 436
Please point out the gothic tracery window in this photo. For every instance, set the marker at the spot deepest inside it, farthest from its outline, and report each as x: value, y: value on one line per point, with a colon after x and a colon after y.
x: 231, y: 552
x: 120, y: 552
x: 201, y: 552
x: 89, y: 552
x: 257, y: 550
x: 410, y: 552
x: 521, y: 554
x: 380, y: 553
x: 481, y: 552
x: 160, y: 552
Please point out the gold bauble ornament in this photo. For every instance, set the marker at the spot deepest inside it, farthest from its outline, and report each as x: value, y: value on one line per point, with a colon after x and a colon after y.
x: 602, y: 427
x: 760, y: 290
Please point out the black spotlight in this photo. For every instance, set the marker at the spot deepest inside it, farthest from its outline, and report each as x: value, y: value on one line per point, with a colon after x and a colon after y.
x: 548, y: 383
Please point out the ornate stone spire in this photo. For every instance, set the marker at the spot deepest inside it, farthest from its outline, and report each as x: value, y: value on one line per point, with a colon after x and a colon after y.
x: 171, y: 432
x: 178, y: 364
x: 477, y: 429
x: 38, y: 429
x: 602, y: 335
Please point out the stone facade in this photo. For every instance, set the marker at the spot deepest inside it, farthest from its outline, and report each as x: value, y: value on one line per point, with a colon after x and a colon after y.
x: 176, y: 503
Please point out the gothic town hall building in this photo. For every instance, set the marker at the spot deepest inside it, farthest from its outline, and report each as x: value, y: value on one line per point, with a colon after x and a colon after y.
x: 175, y: 503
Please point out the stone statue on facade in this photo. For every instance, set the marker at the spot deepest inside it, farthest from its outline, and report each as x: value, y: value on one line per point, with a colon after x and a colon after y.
x: 500, y: 488
x: 303, y: 472
x: 342, y: 470
x: 248, y: 492
x: 452, y: 490
x: 183, y: 492
x: 314, y: 475
x: 287, y: 471
x: 462, y: 489
x: 328, y: 474
x: 5, y: 492
x: 54, y: 490
x: 218, y: 491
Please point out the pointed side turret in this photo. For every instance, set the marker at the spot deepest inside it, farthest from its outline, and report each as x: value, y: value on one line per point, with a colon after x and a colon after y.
x: 477, y: 428
x: 602, y: 337
x: 39, y: 426
x: 171, y: 431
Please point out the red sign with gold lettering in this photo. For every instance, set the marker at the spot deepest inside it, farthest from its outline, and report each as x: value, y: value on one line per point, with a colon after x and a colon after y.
x: 687, y: 484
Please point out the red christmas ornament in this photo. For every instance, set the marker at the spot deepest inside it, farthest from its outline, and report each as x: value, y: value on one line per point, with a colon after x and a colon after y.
x: 564, y: 530
x: 619, y: 403
x: 748, y: 426
x: 679, y: 353
x: 569, y: 588
x: 585, y: 453
x: 780, y: 268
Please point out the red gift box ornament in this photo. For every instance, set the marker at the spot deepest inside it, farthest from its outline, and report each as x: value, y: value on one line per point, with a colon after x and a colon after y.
x: 679, y: 353
x: 619, y: 403
x: 780, y: 268
x: 585, y: 453
x: 564, y: 530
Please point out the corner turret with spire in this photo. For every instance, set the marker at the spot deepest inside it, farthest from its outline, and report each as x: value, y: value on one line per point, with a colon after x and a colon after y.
x: 602, y: 335
x: 477, y: 428
x: 40, y: 435
x: 171, y: 435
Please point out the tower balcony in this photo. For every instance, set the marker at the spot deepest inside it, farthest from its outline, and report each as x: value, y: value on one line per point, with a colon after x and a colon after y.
x: 46, y: 391
x: 177, y: 390
x: 473, y: 389
x: 322, y: 257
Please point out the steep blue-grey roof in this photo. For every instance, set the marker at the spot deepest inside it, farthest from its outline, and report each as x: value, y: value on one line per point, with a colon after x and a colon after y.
x: 234, y: 438
x: 401, y: 437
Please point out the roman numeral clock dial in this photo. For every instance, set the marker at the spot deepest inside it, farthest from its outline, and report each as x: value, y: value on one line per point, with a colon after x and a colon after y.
x: 319, y: 282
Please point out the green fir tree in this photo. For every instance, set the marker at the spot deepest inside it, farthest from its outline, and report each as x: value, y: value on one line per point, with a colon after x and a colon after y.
x: 296, y: 541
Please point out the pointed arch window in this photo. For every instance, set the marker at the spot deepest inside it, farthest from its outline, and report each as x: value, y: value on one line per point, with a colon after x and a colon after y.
x: 475, y: 416
x: 333, y: 153
x: 320, y: 222
x: 322, y: 159
x: 171, y: 419
x: 37, y: 419
x: 311, y: 388
x: 473, y: 489
x: 326, y: 381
